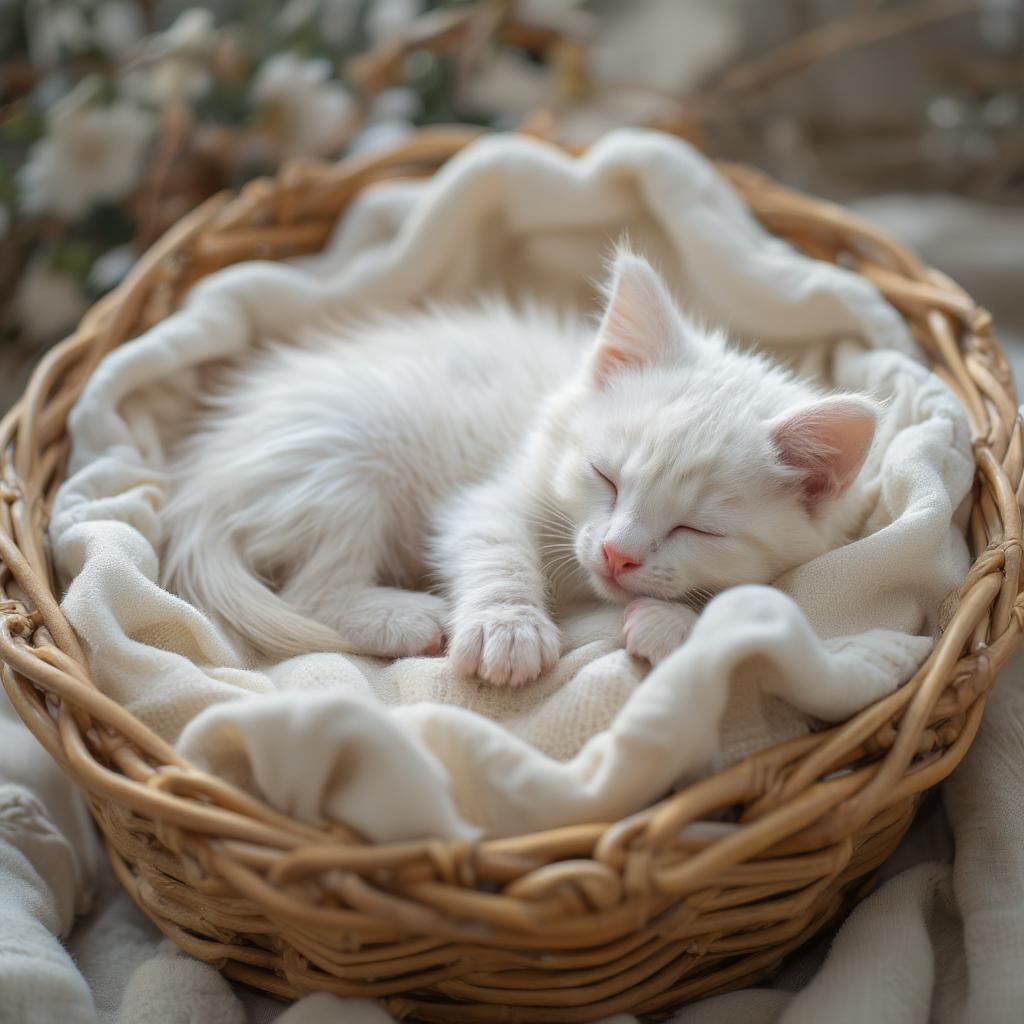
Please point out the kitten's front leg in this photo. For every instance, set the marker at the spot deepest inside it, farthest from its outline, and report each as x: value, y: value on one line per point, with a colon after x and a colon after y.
x: 653, y: 628
x: 500, y: 630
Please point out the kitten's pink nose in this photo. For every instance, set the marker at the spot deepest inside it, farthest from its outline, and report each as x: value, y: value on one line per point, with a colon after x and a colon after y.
x: 618, y: 561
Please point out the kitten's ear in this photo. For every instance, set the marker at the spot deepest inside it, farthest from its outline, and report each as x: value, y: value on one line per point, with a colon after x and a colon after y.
x: 827, y: 442
x: 641, y: 323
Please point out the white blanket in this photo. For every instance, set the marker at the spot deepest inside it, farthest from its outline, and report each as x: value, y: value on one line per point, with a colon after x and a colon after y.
x: 941, y: 941
x: 426, y: 753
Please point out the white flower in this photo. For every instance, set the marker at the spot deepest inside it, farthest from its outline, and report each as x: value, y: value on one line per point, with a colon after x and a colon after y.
x: 46, y: 303
x: 396, y: 102
x: 294, y: 14
x: 57, y: 29
x: 91, y: 154
x: 177, y: 61
x: 507, y: 83
x: 306, y: 111
x: 566, y: 16
x: 663, y: 48
x: 118, y: 26
x: 379, y: 134
x: 192, y: 34
x: 666, y: 45
x: 338, y: 19
x: 177, y: 79
x: 165, y: 82
x: 109, y: 270
x: 388, y: 120
x: 385, y: 16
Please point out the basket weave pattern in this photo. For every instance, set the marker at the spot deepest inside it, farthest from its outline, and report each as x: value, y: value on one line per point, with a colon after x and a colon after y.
x: 567, y: 925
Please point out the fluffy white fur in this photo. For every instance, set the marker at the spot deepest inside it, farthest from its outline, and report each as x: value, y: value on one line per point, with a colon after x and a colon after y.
x: 457, y: 473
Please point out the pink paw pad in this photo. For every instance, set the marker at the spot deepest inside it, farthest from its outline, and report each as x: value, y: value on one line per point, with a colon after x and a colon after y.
x: 435, y: 647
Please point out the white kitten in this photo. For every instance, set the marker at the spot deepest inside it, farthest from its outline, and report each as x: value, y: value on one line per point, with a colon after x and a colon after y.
x: 517, y: 460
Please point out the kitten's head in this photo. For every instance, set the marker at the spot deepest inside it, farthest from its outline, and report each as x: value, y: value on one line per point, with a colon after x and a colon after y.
x: 686, y: 466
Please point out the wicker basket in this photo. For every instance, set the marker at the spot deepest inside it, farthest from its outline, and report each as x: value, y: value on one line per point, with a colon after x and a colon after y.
x: 567, y: 925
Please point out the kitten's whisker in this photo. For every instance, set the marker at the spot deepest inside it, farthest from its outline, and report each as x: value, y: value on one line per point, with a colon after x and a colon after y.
x: 556, y: 563
x: 561, y: 570
x: 550, y: 523
x: 568, y: 571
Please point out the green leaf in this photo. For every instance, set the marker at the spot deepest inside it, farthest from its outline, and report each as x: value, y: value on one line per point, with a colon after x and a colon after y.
x: 12, y: 29
x: 73, y: 258
x: 224, y: 104
x: 8, y: 184
x: 26, y: 126
x: 109, y: 222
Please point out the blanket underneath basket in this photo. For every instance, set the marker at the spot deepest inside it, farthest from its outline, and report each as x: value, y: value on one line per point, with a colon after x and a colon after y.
x: 406, y: 749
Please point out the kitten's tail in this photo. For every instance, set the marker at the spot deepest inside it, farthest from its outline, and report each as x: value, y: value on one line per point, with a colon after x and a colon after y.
x: 211, y: 573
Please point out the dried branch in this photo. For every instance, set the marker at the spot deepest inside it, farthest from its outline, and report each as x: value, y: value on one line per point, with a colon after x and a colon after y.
x: 827, y: 41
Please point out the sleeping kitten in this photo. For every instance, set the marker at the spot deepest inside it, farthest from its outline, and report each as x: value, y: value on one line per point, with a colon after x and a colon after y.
x: 515, y: 458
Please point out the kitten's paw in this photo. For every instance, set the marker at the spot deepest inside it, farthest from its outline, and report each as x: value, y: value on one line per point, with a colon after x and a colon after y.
x: 404, y: 624
x: 653, y: 629
x: 507, y: 645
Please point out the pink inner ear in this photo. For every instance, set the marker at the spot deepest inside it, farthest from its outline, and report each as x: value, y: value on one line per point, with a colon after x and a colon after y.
x: 610, y: 357
x: 827, y: 442
x: 640, y: 323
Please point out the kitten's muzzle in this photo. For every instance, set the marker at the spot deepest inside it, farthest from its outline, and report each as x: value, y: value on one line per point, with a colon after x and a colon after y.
x: 614, y: 573
x: 618, y: 561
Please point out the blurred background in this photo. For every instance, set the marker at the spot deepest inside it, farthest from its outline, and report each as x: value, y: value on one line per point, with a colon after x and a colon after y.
x: 118, y: 116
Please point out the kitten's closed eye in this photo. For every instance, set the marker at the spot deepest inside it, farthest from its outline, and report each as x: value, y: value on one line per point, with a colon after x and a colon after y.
x: 607, y: 479
x: 684, y: 528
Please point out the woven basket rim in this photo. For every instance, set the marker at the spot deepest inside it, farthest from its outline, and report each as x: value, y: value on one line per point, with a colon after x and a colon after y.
x: 827, y: 805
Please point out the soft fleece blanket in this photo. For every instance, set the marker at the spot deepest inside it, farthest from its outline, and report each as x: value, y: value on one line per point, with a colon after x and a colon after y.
x: 941, y: 940
x: 430, y: 754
